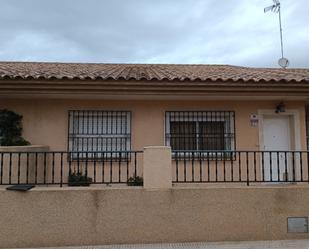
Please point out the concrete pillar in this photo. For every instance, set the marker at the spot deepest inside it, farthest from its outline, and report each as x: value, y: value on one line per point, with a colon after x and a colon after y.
x: 157, y: 167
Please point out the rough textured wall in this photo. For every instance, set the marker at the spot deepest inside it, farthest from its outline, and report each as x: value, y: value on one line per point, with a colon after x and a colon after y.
x: 89, y: 216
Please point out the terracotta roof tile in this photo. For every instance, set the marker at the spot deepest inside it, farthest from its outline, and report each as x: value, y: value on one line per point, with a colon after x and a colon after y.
x: 157, y: 72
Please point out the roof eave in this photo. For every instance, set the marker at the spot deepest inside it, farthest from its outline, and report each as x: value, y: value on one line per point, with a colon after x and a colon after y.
x: 133, y: 87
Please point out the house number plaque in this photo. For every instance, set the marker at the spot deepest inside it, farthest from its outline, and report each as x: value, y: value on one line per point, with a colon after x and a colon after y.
x: 254, y: 120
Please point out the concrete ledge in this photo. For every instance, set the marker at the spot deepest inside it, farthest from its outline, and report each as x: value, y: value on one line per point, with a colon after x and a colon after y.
x: 94, y: 216
x: 282, y: 244
x: 27, y: 148
x: 56, y: 188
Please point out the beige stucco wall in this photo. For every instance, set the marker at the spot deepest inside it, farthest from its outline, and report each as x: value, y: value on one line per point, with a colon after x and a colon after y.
x: 90, y: 216
x: 46, y: 121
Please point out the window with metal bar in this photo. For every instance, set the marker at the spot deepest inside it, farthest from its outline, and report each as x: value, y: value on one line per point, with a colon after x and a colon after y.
x: 99, y: 131
x: 200, y: 130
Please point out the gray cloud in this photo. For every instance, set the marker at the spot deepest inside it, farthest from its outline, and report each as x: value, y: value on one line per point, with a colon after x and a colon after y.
x: 162, y: 31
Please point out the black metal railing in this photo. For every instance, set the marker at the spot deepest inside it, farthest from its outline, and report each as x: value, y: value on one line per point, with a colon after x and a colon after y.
x: 72, y: 168
x: 240, y: 167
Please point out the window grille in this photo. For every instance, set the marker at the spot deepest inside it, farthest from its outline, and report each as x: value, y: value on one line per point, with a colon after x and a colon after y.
x: 200, y: 130
x: 99, y: 131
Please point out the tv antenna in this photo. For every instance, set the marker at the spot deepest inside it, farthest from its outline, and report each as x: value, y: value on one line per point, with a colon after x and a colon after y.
x: 276, y: 8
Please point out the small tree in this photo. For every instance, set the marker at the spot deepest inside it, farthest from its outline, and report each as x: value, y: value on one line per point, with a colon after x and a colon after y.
x: 11, y: 129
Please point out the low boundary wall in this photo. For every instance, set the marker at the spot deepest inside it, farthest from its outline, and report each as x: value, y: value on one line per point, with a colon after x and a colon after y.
x: 98, y: 215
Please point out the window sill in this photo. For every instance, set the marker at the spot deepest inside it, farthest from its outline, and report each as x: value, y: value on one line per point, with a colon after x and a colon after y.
x: 203, y: 156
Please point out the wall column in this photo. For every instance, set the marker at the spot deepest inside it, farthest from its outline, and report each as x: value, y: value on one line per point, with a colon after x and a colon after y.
x: 157, y: 167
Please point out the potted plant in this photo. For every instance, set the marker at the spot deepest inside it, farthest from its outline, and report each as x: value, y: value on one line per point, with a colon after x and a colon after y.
x: 135, y: 181
x: 78, y: 179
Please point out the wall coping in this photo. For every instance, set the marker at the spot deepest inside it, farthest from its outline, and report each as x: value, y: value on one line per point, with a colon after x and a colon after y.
x: 177, y: 188
x: 23, y: 148
x: 157, y: 147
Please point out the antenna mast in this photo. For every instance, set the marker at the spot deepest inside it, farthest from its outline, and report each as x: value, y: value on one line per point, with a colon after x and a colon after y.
x: 281, y: 36
x: 276, y: 8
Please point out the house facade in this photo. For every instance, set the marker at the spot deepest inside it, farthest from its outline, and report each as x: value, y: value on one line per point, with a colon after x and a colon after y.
x: 222, y: 115
x: 221, y: 152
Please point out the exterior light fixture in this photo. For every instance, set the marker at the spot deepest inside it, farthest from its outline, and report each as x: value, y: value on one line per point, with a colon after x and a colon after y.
x: 280, y: 108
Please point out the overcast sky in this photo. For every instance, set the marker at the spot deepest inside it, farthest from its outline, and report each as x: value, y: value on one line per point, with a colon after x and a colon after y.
x: 233, y: 32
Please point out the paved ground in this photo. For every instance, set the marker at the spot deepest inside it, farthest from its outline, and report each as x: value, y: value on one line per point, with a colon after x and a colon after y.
x: 297, y: 244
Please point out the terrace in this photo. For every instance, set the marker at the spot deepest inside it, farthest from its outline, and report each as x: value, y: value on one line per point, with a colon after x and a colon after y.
x: 121, y: 167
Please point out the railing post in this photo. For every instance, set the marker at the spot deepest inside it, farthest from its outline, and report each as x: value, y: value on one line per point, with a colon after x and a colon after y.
x: 157, y: 167
x: 248, y: 172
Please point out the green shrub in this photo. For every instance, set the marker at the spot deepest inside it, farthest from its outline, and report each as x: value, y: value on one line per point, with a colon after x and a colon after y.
x: 11, y: 129
x: 79, y: 179
x: 135, y: 181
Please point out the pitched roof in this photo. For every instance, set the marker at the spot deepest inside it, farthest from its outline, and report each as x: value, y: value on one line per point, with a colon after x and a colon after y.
x: 147, y: 72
